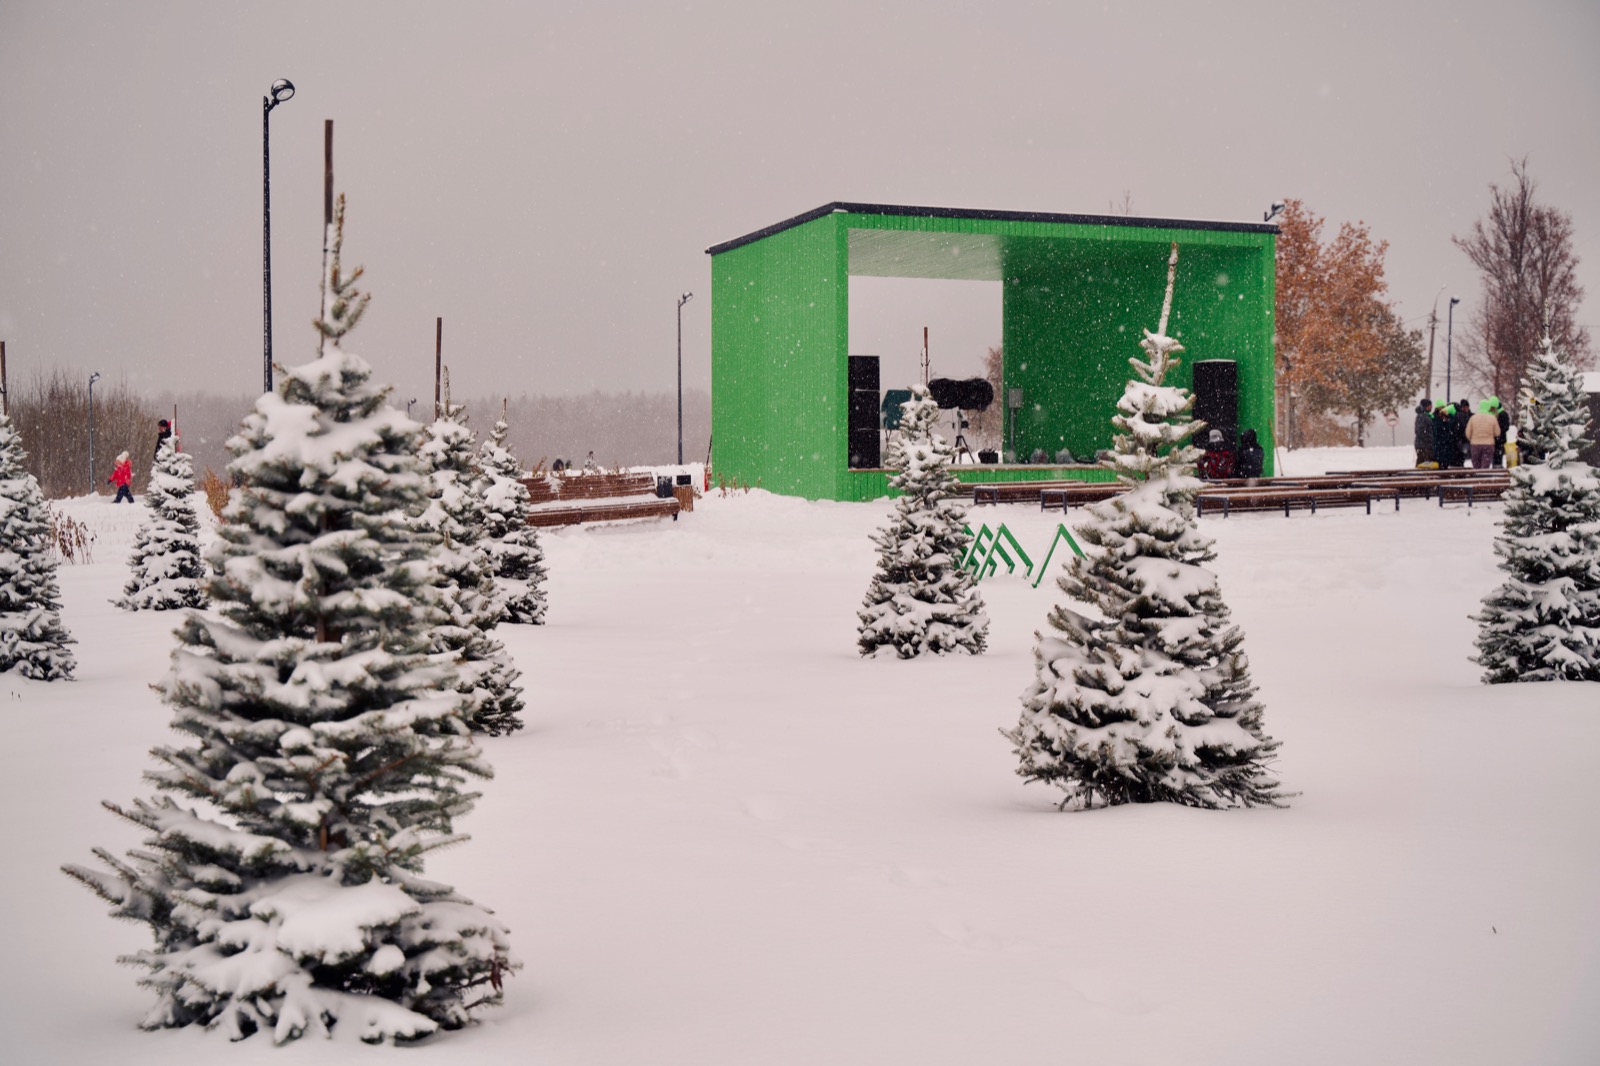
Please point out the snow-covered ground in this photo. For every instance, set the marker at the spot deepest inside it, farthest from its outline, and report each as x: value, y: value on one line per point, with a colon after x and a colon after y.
x: 725, y: 839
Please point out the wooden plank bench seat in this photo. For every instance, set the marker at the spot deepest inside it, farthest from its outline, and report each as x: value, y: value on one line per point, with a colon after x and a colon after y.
x: 566, y: 500
x: 1230, y: 500
x: 1481, y: 490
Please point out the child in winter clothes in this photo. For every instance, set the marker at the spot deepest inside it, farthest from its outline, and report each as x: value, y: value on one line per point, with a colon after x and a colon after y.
x: 122, y: 478
x: 1217, y: 462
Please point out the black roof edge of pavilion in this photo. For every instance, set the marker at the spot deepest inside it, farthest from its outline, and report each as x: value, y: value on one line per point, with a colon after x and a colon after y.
x: 996, y: 216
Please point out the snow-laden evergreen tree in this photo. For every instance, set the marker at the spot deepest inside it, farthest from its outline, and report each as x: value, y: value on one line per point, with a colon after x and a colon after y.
x: 1543, y: 622
x: 1146, y: 695
x: 166, y: 563
x: 455, y: 511
x: 921, y: 598
x: 326, y: 751
x: 33, y: 642
x: 515, y: 556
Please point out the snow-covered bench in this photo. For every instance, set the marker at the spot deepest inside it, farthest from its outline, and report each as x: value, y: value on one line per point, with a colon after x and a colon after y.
x: 567, y: 500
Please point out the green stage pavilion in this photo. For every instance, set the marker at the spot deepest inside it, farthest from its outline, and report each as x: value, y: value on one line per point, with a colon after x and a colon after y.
x: 1077, y: 292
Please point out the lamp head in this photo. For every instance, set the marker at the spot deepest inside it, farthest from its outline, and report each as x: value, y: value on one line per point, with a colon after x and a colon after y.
x: 1454, y: 300
x: 685, y: 298
x: 1274, y: 211
x: 281, y: 90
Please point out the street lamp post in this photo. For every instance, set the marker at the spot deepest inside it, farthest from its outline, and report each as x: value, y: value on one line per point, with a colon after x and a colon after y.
x: 92, y: 379
x: 685, y: 298
x: 1449, y: 330
x: 281, y: 90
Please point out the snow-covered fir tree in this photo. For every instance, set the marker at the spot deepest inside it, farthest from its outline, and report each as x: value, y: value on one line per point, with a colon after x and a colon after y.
x: 516, y: 558
x: 166, y: 563
x: 455, y: 511
x: 33, y: 642
x: 921, y: 598
x: 1543, y: 622
x: 1146, y: 696
x: 326, y: 750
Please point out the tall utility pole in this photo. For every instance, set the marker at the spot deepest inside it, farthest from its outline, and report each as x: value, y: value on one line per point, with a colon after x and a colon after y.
x: 685, y: 298
x: 327, y: 218
x: 438, y: 368
x: 1449, y: 332
x: 281, y: 90
x: 1433, y: 323
x: 5, y: 383
x: 92, y: 379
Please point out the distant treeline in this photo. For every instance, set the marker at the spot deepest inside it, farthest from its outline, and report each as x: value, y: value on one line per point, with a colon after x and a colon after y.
x: 51, y: 413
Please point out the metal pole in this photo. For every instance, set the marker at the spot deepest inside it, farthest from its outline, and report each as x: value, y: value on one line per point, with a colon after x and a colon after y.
x: 438, y: 368
x: 327, y: 219
x: 685, y: 298
x: 92, y: 379
x: 5, y: 384
x: 266, y: 247
x: 1449, y: 332
x: 281, y: 90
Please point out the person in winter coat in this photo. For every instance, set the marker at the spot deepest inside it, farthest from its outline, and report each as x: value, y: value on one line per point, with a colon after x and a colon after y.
x: 163, y: 433
x: 1251, y: 457
x: 1462, y: 416
x: 122, y: 478
x: 1422, y: 432
x: 1217, y: 462
x: 1483, y: 429
x: 1504, y: 419
x: 1446, y: 452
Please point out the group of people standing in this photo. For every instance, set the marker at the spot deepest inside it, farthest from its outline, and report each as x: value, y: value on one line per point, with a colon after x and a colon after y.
x: 1222, y: 461
x: 1451, y: 434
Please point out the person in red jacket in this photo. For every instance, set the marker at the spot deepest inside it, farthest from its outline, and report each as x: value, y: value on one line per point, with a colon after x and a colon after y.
x: 122, y: 478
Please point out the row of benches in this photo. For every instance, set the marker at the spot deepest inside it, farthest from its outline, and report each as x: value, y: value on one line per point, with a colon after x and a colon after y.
x: 1340, y: 489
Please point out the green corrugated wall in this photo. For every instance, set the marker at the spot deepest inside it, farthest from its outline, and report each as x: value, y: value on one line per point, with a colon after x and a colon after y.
x: 1076, y: 298
x: 778, y: 361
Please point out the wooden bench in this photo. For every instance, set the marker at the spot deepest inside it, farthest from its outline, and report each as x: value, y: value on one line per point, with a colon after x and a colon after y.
x: 570, y: 499
x: 1230, y: 500
x: 1481, y: 490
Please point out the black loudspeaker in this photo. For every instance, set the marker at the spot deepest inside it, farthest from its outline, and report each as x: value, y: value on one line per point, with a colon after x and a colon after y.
x: 863, y: 373
x: 865, y: 451
x: 1216, y: 399
x: 865, y: 410
x: 971, y: 394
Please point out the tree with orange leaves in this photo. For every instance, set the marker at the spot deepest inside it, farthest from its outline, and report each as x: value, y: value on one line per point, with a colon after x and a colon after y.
x: 1340, y: 346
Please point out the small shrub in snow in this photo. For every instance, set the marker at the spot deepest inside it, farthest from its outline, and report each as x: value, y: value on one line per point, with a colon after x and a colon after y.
x: 166, y: 564
x: 326, y: 748
x: 1146, y: 696
x: 33, y: 642
x: 455, y: 512
x: 922, y: 599
x: 515, y: 556
x: 1543, y: 622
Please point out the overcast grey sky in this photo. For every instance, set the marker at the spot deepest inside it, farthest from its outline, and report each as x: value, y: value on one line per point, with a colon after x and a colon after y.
x: 547, y: 176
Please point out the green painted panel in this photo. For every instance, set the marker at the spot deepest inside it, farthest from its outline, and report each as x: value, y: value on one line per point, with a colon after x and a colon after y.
x: 778, y: 366
x: 1076, y: 297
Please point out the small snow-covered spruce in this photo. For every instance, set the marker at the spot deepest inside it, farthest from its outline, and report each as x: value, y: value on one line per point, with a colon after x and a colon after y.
x: 455, y: 511
x: 921, y: 598
x: 166, y: 563
x: 33, y: 642
x: 1147, y: 697
x: 515, y: 555
x: 1543, y: 622
x: 326, y: 750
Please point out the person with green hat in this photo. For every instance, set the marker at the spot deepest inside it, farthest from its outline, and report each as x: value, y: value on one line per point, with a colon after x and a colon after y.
x: 1446, y: 446
x: 1502, y: 417
x: 1482, y: 431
